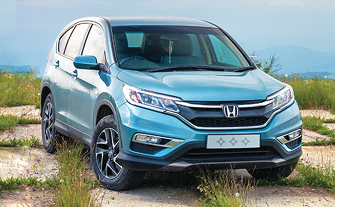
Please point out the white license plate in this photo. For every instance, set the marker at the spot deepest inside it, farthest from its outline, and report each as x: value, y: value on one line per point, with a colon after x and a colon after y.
x: 233, y: 141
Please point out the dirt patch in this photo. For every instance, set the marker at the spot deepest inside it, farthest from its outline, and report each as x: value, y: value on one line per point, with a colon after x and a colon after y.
x: 25, y: 196
x: 27, y: 162
x: 317, y: 113
x: 22, y: 130
x: 292, y: 196
x: 319, y: 155
x: 28, y: 111
x: 310, y: 136
x: 151, y: 196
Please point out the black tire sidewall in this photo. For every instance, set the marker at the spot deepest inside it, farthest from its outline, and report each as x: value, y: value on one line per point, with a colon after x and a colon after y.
x: 126, y: 179
x: 50, y: 146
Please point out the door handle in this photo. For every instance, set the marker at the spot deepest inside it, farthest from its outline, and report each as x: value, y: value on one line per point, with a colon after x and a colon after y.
x: 56, y: 64
x: 74, y: 73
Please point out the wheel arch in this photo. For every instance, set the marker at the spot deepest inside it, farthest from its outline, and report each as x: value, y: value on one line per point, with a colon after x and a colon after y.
x: 105, y: 108
x: 45, y: 91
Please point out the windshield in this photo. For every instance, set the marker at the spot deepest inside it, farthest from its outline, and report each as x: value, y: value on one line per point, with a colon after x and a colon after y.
x: 163, y: 47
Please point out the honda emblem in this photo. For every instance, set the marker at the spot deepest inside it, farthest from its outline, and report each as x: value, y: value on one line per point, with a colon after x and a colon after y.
x: 230, y: 111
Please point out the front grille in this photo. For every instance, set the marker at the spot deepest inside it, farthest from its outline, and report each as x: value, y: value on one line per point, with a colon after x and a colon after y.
x: 226, y: 122
x: 211, y: 115
x: 227, y: 155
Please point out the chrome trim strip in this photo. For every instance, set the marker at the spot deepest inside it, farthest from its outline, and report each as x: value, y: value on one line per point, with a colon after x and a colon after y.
x: 265, y: 103
x: 198, y: 105
x: 289, y: 140
x: 228, y: 128
x: 172, y: 143
x: 285, y: 141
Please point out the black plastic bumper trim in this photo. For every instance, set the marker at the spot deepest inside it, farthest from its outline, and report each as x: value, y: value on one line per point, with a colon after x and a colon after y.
x: 172, y: 162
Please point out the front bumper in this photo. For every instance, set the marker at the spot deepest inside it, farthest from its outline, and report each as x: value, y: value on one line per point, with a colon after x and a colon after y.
x: 192, y: 152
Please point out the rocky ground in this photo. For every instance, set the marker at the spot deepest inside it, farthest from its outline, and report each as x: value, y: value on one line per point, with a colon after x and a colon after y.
x: 36, y: 162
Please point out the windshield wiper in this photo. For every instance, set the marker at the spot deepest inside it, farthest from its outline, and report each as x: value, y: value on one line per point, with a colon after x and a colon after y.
x: 244, y: 69
x: 175, y: 68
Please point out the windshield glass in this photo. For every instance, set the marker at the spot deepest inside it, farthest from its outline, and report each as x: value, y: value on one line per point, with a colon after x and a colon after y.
x: 154, y: 47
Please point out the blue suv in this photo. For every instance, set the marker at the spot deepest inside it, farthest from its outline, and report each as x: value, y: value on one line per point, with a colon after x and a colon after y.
x: 165, y: 94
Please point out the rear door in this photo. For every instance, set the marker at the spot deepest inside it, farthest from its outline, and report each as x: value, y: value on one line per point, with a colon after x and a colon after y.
x: 67, y: 51
x: 61, y: 74
x: 84, y: 87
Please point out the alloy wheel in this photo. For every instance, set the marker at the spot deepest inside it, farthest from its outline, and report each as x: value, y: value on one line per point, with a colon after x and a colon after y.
x: 106, y: 151
x: 48, y: 122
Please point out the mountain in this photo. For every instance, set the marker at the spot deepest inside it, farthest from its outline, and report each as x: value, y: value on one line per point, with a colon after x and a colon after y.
x: 19, y: 69
x: 296, y: 59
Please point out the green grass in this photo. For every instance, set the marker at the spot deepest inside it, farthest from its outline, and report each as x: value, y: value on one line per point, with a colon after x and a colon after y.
x: 33, y: 141
x: 317, y: 176
x: 77, y: 185
x: 222, y: 189
x: 13, y: 183
x: 323, y: 142
x: 17, y: 89
x: 317, y: 125
x: 313, y: 93
x: 8, y: 121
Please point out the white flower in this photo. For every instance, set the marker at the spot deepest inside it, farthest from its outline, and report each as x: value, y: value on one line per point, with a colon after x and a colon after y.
x: 237, y: 194
x: 286, y: 75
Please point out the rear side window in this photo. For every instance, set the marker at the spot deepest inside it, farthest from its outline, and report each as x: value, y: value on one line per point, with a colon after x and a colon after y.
x: 95, y: 44
x: 74, y: 45
x: 63, y: 40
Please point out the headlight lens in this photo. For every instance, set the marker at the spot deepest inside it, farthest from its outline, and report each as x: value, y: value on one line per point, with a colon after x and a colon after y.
x: 282, y: 97
x: 150, y: 100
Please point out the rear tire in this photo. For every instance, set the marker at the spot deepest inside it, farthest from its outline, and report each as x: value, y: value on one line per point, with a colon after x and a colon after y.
x: 273, y: 173
x: 50, y: 136
x: 104, y: 153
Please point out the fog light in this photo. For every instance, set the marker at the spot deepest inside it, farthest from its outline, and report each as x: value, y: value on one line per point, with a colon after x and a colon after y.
x: 147, y: 139
x: 156, y: 140
x: 284, y: 139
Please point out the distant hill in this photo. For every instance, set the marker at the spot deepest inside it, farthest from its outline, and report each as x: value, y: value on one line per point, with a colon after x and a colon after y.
x: 323, y: 75
x: 296, y: 59
x: 19, y: 69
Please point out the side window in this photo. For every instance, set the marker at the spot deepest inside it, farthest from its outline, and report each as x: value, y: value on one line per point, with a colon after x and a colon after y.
x: 95, y: 44
x: 63, y: 40
x: 75, y: 41
x: 223, y: 53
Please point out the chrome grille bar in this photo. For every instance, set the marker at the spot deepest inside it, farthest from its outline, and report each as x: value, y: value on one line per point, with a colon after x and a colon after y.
x: 265, y: 103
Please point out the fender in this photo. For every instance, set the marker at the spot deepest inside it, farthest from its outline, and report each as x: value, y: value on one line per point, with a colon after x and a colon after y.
x: 112, y: 108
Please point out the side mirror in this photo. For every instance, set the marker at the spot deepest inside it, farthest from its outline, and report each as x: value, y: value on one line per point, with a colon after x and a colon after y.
x: 88, y: 62
x: 256, y: 60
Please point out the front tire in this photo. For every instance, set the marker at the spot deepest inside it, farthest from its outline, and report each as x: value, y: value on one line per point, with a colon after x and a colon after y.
x: 273, y: 173
x: 104, y: 153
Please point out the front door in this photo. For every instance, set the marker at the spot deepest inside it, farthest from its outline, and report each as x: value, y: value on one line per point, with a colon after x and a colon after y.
x: 84, y: 88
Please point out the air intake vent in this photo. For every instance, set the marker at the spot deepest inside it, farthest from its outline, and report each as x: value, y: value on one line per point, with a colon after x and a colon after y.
x: 225, y: 122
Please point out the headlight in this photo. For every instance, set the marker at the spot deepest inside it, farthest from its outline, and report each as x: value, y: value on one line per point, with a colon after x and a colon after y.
x: 150, y: 100
x: 283, y: 97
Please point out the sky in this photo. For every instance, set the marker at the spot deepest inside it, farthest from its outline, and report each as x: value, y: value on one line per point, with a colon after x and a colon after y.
x: 29, y: 27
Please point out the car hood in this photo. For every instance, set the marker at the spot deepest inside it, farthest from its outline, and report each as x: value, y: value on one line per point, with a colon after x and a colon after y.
x: 205, y: 85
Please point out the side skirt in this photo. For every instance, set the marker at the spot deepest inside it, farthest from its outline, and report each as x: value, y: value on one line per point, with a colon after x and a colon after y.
x: 72, y: 132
